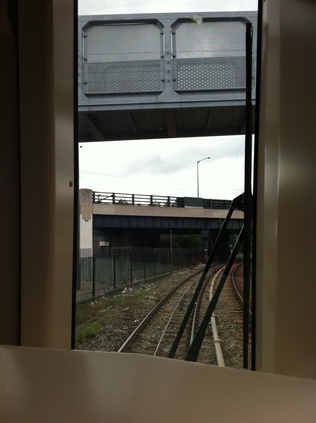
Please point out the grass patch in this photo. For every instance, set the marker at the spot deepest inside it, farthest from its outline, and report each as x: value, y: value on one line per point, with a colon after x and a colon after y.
x: 139, y: 294
x: 89, y: 311
x: 84, y: 332
x: 92, y: 316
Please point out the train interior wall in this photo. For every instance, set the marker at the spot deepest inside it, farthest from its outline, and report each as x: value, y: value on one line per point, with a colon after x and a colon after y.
x: 286, y: 202
x: 37, y: 185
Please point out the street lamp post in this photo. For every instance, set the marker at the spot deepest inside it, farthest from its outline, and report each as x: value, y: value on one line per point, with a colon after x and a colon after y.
x: 197, y: 175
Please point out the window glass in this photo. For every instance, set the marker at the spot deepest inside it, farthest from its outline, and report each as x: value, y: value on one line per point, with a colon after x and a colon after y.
x: 162, y: 139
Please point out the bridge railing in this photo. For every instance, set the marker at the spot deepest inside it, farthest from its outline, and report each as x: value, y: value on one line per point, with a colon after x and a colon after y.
x: 134, y: 199
x: 158, y: 200
x: 167, y: 53
x: 209, y: 203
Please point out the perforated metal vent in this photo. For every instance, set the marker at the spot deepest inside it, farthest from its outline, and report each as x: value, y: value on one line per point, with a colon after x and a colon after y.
x: 117, y: 78
x: 210, y: 76
x: 141, y: 79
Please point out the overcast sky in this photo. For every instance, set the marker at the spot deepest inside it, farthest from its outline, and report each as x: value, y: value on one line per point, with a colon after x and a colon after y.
x: 91, y: 7
x: 165, y: 166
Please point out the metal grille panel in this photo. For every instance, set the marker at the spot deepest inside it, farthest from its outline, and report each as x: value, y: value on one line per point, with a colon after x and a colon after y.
x: 218, y: 75
x: 119, y: 78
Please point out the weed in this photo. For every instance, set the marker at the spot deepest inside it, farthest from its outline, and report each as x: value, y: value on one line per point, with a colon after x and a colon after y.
x: 139, y: 294
x: 91, y: 316
x: 84, y: 332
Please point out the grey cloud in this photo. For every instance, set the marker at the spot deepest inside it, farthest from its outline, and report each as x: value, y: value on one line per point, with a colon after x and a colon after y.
x: 186, y: 157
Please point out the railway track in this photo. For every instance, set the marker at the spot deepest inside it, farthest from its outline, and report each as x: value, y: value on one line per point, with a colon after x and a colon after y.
x: 155, y: 334
x: 118, y: 320
x: 238, y: 286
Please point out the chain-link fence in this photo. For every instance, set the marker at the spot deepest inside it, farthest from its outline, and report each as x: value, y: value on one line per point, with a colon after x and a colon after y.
x: 99, y: 275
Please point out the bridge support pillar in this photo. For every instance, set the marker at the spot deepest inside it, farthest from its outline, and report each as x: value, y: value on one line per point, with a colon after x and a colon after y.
x: 85, y: 223
x: 223, y: 250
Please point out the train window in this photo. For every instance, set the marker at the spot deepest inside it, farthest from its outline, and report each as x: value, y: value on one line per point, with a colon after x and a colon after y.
x: 165, y: 129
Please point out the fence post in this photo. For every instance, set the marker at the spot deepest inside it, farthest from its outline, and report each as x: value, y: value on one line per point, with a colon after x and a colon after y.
x: 78, y: 272
x: 114, y: 272
x: 171, y: 252
x: 93, y: 276
x: 130, y: 268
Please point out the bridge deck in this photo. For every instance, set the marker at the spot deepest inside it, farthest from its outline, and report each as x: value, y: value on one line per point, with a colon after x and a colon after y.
x: 162, y: 75
x: 185, y: 212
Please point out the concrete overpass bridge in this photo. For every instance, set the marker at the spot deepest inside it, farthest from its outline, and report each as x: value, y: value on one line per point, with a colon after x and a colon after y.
x: 117, y: 220
x: 163, y: 75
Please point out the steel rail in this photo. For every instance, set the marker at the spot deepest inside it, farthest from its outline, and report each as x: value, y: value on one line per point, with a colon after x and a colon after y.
x: 195, y: 314
x: 196, y: 308
x: 142, y: 324
x: 217, y: 341
x: 236, y: 203
x: 170, y: 318
x: 237, y: 293
x: 196, y: 344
